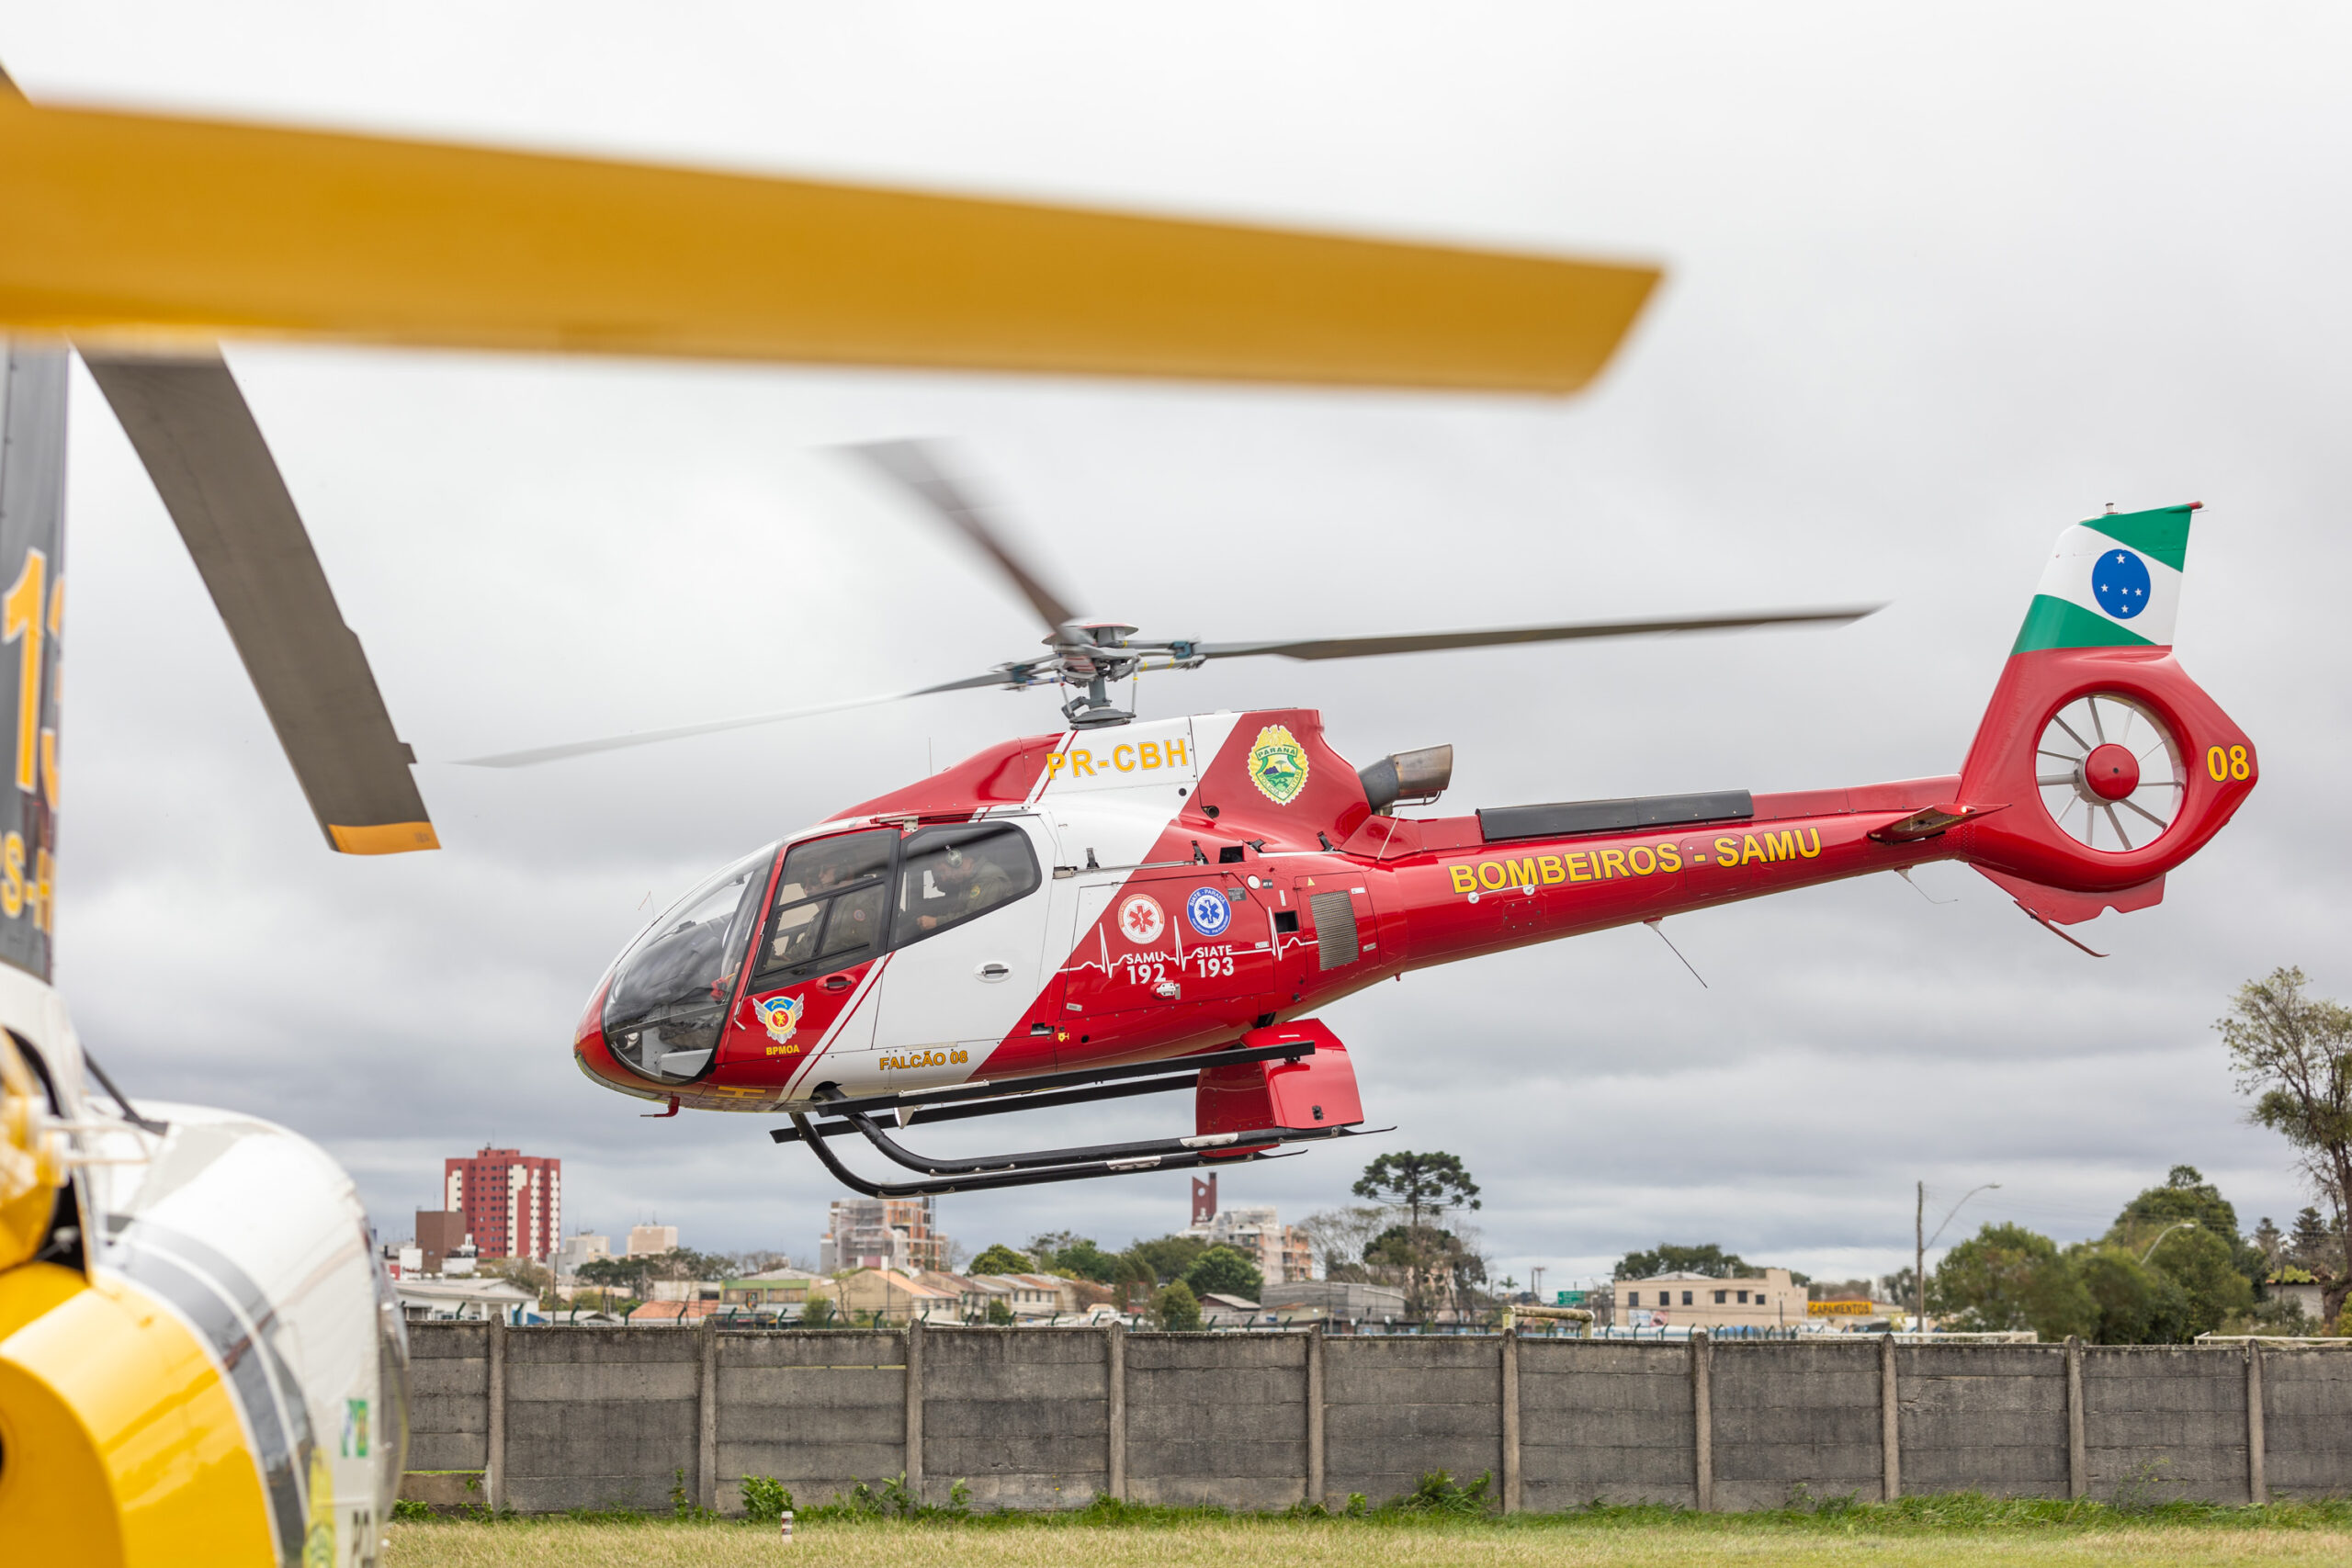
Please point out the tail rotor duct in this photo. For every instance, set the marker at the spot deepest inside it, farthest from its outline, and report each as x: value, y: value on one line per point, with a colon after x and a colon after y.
x: 2110, y: 773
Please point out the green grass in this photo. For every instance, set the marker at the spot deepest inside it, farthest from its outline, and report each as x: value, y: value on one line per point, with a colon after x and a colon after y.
x: 1920, y: 1532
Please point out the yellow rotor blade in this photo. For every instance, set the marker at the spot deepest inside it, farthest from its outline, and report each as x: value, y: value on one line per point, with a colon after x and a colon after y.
x: 136, y: 227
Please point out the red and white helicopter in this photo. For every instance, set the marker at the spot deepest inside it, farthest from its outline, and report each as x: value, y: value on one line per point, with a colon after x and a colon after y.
x: 1136, y: 906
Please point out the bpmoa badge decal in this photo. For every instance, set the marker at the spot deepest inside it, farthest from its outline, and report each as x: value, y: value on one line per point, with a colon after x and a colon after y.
x: 780, y: 1016
x: 1278, y: 765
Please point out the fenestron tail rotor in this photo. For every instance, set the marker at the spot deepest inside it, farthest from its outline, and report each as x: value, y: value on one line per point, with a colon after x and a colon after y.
x: 1091, y: 656
x: 2110, y: 773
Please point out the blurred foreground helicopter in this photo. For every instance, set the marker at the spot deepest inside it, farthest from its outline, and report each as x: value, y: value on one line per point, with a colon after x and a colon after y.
x: 1132, y: 908
x: 200, y: 1360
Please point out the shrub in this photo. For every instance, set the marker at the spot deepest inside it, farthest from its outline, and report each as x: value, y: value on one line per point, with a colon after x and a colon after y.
x: 1175, y: 1307
x: 765, y: 1499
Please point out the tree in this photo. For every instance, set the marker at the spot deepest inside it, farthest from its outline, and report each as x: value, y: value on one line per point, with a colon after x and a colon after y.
x: 1176, y: 1308
x: 1340, y: 1235
x: 1002, y: 1259
x: 2187, y: 1195
x: 2272, y: 1244
x: 2311, y: 1244
x: 1135, y: 1283
x: 1075, y: 1258
x: 999, y: 1314
x: 1711, y: 1260
x: 1226, y: 1273
x: 1169, y: 1256
x: 2134, y: 1304
x: 818, y: 1313
x: 2292, y: 1055
x: 1419, y: 1184
x: 2205, y: 1267
x: 1901, y: 1285
x: 1424, y: 1186
x: 2006, y: 1276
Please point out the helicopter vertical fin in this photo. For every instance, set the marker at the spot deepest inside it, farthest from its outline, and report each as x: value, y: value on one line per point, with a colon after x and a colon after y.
x: 2100, y: 765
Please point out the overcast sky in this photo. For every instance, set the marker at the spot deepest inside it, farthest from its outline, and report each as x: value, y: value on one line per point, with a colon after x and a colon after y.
x: 1940, y: 282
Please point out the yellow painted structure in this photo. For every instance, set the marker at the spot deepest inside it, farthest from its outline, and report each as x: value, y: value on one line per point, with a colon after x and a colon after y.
x: 149, y: 229
x: 122, y: 1444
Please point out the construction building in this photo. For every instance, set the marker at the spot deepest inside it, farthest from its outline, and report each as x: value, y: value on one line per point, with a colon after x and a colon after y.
x: 513, y: 1201
x: 882, y: 1233
x: 1282, y: 1252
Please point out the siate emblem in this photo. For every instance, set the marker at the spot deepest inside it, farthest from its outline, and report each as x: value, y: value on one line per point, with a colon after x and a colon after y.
x: 1278, y: 765
x: 1208, y: 911
x: 1140, y: 920
x: 780, y: 1016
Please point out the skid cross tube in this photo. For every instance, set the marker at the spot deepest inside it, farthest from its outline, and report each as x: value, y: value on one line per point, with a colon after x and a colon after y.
x: 1148, y: 1148
x: 857, y: 1183
x: 985, y: 1090
x: 910, y: 1115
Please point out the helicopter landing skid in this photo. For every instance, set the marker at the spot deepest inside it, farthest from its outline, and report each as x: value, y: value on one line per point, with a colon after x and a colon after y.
x: 1040, y: 1166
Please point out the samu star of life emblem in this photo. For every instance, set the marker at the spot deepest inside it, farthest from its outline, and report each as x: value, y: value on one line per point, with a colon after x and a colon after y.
x: 1140, y: 920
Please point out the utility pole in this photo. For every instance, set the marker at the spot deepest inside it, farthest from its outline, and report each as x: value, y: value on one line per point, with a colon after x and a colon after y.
x: 1920, y: 1263
x: 1922, y: 1241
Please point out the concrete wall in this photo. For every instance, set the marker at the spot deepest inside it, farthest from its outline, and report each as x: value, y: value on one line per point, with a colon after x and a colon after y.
x: 556, y: 1418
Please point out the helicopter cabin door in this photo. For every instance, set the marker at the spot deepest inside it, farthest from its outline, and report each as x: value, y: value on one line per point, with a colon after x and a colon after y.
x: 1163, y: 952
x: 967, y: 972
x: 813, y: 966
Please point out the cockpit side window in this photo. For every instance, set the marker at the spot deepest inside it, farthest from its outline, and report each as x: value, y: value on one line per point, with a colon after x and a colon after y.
x: 830, y: 905
x: 948, y: 876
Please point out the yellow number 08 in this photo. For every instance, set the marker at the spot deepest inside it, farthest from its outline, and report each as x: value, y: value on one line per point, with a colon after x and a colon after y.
x: 2232, y: 763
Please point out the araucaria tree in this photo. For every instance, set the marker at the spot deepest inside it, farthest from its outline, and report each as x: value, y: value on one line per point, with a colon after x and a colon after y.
x: 2293, y: 1057
x: 1423, y: 1185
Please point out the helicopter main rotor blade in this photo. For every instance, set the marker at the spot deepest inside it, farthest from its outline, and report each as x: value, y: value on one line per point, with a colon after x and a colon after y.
x: 147, y: 224
x: 196, y: 434
x: 1501, y: 636
x: 915, y: 466
x: 534, y: 757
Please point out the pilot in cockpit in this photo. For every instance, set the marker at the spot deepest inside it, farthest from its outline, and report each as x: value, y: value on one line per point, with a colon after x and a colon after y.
x: 970, y: 881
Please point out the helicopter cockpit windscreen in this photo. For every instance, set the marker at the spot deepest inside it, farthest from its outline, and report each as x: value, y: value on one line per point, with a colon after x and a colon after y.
x: 668, y: 999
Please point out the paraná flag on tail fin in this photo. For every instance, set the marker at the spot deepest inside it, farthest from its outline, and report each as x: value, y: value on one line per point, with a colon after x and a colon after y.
x: 2113, y: 582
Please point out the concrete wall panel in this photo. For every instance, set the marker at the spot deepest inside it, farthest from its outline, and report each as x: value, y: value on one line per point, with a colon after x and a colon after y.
x: 1022, y: 1415
x: 1791, y: 1415
x: 2163, y: 1422
x: 1397, y: 1409
x: 2307, y: 1437
x: 1208, y: 1424
x: 448, y: 1399
x: 1983, y: 1417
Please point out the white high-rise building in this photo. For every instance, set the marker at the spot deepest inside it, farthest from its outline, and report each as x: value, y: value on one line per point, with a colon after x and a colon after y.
x: 1282, y: 1253
x: 645, y: 1240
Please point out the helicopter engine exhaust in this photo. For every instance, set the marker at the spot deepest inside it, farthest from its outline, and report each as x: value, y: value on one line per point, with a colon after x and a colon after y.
x: 1410, y: 778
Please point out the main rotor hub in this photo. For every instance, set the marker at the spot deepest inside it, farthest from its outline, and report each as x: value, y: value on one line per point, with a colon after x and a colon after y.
x: 2109, y: 772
